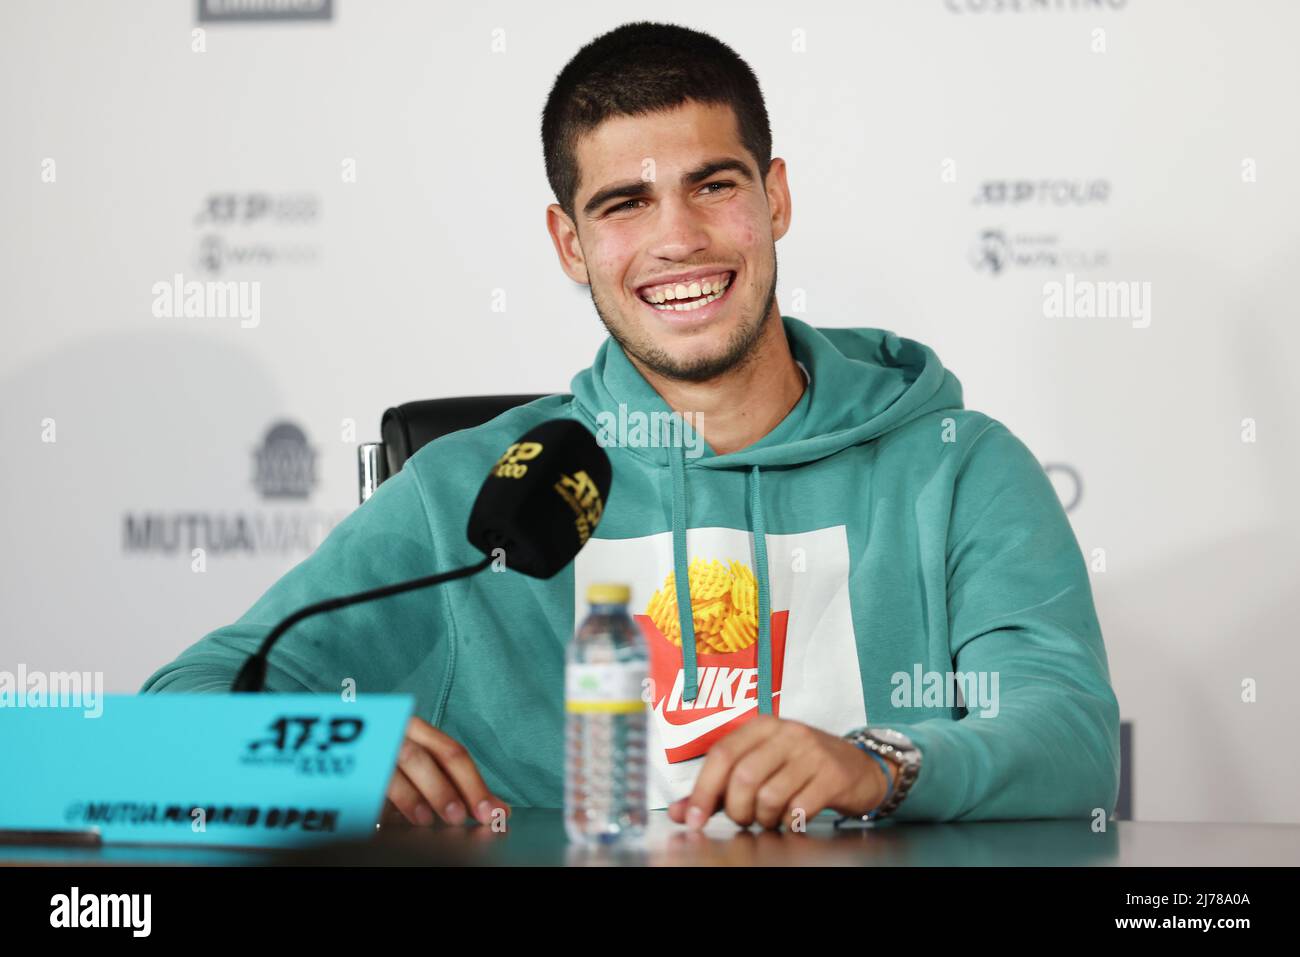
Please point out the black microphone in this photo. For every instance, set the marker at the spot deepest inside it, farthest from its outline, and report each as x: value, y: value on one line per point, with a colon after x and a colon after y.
x: 538, y: 506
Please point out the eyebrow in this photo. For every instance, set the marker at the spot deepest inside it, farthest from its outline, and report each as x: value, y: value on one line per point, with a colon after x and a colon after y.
x: 637, y: 187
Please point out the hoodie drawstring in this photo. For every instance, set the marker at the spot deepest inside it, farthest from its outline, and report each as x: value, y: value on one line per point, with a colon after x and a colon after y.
x: 681, y: 573
x: 764, y: 596
x: 677, y: 465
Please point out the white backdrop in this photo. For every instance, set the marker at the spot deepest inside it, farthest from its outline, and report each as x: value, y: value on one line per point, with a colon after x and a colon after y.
x: 379, y: 173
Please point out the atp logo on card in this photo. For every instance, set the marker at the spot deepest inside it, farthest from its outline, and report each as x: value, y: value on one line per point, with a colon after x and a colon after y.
x: 814, y: 656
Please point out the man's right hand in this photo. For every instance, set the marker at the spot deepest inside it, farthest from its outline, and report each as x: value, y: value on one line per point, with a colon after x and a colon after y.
x: 436, y: 776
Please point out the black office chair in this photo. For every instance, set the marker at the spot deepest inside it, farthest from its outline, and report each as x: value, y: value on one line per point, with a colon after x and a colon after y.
x: 407, y: 428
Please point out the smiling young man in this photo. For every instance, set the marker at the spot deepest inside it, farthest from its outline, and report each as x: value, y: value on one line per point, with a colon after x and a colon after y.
x: 858, y: 596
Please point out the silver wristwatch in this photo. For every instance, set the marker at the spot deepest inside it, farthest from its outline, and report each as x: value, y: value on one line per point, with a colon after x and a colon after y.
x: 896, y: 748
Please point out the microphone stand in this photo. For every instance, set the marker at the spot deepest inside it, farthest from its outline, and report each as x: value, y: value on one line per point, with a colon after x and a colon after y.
x: 252, y: 677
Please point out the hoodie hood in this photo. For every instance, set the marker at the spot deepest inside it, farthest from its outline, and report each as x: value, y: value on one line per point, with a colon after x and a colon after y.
x: 862, y: 384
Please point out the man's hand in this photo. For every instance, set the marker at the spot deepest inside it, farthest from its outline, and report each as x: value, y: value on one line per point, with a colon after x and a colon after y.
x: 770, y: 768
x: 435, y: 773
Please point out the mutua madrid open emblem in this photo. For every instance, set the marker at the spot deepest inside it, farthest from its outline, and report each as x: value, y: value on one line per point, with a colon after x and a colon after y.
x: 285, y: 465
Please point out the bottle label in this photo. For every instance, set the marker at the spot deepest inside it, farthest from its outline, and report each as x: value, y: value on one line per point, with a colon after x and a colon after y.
x: 612, y: 687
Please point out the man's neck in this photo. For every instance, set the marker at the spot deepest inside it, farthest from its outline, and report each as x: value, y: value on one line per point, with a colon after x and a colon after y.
x: 739, y: 407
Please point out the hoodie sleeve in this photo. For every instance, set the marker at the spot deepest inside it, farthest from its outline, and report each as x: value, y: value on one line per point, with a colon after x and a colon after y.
x: 377, y: 644
x: 1020, y: 606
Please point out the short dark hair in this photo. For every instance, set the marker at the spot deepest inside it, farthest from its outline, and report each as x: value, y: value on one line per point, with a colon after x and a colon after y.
x: 643, y: 68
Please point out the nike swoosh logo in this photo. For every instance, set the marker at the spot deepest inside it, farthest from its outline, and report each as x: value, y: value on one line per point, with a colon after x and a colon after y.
x: 677, y: 735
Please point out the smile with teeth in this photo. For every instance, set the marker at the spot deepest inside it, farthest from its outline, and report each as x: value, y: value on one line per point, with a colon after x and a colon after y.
x: 684, y: 296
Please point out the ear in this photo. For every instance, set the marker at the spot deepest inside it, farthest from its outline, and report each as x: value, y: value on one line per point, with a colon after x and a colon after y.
x: 564, y: 234
x: 778, y: 197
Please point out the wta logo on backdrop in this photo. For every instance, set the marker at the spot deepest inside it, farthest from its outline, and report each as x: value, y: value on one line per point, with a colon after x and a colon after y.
x: 999, y: 249
x: 284, y: 472
x: 256, y: 229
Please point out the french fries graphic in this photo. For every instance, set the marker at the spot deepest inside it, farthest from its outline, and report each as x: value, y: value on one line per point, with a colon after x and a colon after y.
x: 724, y: 607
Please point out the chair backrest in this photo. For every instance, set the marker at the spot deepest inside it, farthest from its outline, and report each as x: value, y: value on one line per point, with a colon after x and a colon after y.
x: 407, y: 428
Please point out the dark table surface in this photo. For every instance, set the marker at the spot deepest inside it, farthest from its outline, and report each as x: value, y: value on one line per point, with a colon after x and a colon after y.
x: 535, y: 836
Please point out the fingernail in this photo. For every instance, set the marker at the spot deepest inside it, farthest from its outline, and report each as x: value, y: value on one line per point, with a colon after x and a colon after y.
x: 423, y: 815
x: 484, y: 812
x: 695, y: 818
x: 455, y: 812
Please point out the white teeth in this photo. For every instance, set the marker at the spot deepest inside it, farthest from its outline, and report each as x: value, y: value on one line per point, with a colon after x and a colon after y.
x: 688, y: 306
x: 692, y: 290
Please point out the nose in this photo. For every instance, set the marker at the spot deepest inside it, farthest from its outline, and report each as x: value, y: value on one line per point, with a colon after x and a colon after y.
x: 679, y: 231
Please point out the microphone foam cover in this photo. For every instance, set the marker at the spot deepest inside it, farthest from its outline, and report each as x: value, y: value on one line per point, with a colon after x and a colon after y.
x: 542, y: 499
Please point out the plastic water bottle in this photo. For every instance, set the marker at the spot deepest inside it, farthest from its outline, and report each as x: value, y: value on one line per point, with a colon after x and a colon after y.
x: 605, y: 745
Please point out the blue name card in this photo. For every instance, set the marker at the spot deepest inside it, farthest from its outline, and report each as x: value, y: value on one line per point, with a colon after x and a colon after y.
x: 230, y: 770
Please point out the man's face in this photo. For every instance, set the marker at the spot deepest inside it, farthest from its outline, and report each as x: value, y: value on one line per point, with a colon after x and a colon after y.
x: 675, y: 234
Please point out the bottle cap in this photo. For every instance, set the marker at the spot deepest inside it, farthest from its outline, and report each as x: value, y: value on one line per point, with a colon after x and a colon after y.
x: 608, y: 594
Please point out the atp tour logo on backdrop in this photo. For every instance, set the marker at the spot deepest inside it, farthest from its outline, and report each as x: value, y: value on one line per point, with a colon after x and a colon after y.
x: 1042, y: 192
x: 815, y: 672
x: 256, y: 229
x: 284, y: 470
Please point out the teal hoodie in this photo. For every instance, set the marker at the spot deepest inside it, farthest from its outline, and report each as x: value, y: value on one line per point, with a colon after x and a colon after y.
x: 878, y: 550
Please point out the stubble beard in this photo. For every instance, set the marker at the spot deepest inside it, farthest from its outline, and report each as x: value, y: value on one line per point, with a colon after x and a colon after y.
x: 739, y: 350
